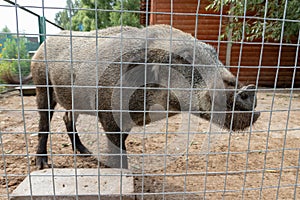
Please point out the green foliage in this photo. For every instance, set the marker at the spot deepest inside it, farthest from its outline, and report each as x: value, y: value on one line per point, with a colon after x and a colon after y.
x: 63, y: 17
x: 4, y: 34
x: 84, y: 17
x: 14, y: 57
x: 273, y: 11
x: 125, y: 16
x: 12, y: 50
x: 5, y: 67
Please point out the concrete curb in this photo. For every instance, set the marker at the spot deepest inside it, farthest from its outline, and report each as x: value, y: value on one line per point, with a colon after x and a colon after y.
x: 65, y: 184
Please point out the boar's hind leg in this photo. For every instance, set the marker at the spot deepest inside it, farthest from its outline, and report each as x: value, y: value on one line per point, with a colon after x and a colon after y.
x: 72, y: 133
x: 42, y: 103
x: 116, y: 145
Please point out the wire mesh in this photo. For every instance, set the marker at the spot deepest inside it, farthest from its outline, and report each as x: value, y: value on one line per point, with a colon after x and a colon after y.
x: 193, y: 126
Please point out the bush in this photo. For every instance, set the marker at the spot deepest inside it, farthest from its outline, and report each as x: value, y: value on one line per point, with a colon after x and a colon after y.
x: 13, y: 49
x: 270, y: 17
x: 5, y: 68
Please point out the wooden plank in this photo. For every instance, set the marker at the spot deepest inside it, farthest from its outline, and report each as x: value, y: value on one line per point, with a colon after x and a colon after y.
x: 191, y: 4
x: 153, y: 18
x: 182, y: 2
x: 178, y: 15
x: 264, y: 77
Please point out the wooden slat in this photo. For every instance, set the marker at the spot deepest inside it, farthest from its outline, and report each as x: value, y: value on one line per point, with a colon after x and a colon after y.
x: 208, y: 30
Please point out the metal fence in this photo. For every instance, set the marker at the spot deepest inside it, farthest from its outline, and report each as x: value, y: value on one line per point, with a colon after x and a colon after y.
x: 158, y: 116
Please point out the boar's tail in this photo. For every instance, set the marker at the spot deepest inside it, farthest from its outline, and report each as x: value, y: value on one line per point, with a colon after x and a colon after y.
x: 9, y: 78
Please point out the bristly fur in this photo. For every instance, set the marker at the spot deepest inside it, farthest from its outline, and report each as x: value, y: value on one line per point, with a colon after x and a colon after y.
x: 143, y: 58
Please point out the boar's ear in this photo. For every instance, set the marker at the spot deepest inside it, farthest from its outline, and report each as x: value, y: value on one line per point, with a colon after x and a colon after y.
x: 230, y: 83
x: 245, y: 98
x: 135, y: 71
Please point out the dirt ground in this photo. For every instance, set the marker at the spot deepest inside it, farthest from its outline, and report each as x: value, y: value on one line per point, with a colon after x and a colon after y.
x: 260, y: 163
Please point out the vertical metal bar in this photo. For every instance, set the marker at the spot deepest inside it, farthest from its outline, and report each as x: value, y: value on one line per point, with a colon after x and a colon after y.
x: 121, y: 101
x: 234, y: 101
x: 97, y: 100
x: 294, y: 74
x: 42, y: 29
x: 42, y: 35
x: 74, y: 115
x: 144, y: 98
x: 168, y: 97
x: 229, y: 40
x: 5, y: 168
x: 297, y: 177
x: 275, y: 84
x: 257, y: 79
x: 255, y: 96
x: 22, y: 101
x: 211, y: 133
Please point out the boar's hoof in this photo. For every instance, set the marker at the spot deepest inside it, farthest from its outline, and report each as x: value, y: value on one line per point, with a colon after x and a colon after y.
x: 42, y: 162
x: 84, y: 151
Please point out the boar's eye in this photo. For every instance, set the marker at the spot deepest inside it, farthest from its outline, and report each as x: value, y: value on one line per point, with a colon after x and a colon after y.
x: 244, y: 95
x: 230, y: 83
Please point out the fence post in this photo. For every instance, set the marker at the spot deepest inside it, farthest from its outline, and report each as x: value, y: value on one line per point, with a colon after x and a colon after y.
x: 42, y: 29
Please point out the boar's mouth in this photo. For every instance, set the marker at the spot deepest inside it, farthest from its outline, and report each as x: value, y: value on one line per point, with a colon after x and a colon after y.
x: 241, y: 120
x: 244, y: 114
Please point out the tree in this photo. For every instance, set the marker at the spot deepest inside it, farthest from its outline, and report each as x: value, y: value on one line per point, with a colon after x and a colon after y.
x: 63, y: 17
x: 4, y: 32
x: 85, y: 18
x: 82, y: 15
x: 269, y: 18
x: 124, y: 14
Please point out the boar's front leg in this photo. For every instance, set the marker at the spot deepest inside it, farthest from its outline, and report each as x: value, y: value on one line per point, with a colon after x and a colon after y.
x: 116, y: 142
x: 73, y: 135
x: 116, y: 145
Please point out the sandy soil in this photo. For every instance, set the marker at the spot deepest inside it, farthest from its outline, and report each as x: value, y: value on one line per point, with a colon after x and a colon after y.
x: 260, y: 163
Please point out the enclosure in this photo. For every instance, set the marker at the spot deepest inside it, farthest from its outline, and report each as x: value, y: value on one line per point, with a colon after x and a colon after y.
x: 176, y: 157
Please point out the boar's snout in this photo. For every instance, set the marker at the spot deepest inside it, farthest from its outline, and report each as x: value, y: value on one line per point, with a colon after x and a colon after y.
x: 245, y: 100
